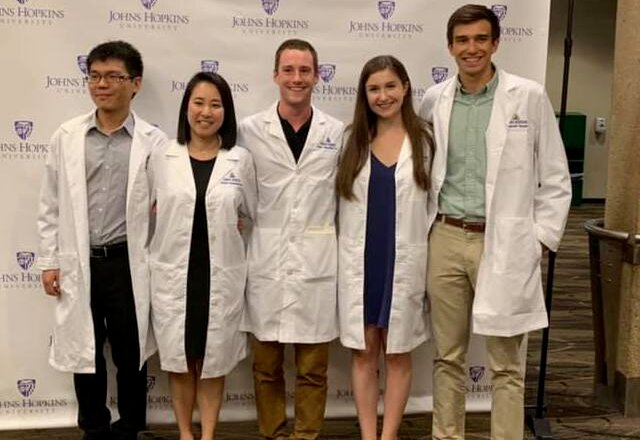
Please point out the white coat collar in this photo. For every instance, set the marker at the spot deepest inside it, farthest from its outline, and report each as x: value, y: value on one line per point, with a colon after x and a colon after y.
x: 316, y: 130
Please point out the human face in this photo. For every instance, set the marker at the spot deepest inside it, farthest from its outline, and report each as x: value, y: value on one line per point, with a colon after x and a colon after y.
x: 385, y: 93
x: 205, y: 112
x: 113, y: 97
x: 472, y: 48
x: 295, y: 77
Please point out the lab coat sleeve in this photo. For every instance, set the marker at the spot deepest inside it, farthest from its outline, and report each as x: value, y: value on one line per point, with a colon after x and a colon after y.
x: 553, y: 192
x: 250, y: 189
x: 47, y: 220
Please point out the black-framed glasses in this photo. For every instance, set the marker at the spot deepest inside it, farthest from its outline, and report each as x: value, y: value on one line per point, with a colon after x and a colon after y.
x: 109, y: 78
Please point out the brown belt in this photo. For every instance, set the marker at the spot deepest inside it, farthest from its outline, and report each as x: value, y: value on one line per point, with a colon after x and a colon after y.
x: 475, y: 226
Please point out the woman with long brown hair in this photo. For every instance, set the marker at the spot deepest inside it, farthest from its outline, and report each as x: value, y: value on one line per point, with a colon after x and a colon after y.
x: 382, y: 183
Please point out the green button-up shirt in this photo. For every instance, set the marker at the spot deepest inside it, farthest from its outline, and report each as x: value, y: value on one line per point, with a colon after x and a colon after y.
x: 462, y: 193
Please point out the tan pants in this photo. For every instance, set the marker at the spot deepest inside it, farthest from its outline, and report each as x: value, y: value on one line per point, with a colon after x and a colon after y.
x: 452, y: 270
x: 310, y: 389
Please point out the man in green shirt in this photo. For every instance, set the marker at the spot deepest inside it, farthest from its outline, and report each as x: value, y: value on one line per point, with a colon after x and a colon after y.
x: 500, y: 192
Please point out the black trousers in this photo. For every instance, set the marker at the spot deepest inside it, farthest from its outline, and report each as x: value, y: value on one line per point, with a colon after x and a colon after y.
x: 114, y: 318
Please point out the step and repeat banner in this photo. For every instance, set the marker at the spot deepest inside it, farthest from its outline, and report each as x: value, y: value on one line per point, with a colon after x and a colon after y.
x: 44, y: 44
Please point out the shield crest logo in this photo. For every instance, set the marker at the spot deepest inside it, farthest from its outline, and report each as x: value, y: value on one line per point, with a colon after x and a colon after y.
x: 23, y: 129
x: 500, y: 11
x: 386, y: 8
x: 210, y: 66
x: 151, y: 382
x: 270, y: 6
x: 82, y: 64
x: 439, y: 74
x: 26, y: 387
x: 25, y: 259
x: 476, y: 373
x: 327, y: 72
x: 149, y: 3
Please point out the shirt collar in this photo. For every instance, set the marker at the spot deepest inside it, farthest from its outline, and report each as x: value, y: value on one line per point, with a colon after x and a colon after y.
x: 128, y: 124
x: 488, y: 88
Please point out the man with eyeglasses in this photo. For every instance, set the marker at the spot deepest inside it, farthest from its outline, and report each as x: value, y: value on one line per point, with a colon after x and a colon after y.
x: 93, y: 223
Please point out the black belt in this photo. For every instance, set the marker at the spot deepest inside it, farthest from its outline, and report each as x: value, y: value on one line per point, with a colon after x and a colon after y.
x: 109, y: 250
x: 472, y: 226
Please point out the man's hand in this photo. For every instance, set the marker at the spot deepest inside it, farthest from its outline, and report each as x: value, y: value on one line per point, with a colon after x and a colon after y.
x: 51, y: 281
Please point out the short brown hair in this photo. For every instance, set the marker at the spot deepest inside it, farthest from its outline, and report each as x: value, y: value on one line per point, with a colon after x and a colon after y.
x: 470, y: 14
x: 296, y: 44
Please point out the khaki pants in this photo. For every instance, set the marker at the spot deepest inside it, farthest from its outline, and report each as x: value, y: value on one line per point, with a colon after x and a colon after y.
x: 452, y: 270
x: 310, y: 389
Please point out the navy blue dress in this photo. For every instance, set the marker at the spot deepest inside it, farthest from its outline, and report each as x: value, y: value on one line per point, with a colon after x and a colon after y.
x: 380, y: 244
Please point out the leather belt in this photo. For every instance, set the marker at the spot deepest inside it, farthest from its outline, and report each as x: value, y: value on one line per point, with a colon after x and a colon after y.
x: 108, y: 251
x: 471, y: 226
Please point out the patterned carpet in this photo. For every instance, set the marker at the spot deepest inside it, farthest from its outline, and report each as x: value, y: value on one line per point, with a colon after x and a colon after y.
x: 572, y: 410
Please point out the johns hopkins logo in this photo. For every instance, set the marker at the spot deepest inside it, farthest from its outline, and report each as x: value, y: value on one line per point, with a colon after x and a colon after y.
x: 151, y: 382
x: 210, y: 66
x: 149, y: 3
x: 476, y: 373
x: 439, y: 74
x: 23, y: 129
x: 82, y: 64
x: 270, y: 6
x: 26, y: 387
x: 386, y: 8
x: 327, y: 72
x: 25, y: 259
x: 500, y: 11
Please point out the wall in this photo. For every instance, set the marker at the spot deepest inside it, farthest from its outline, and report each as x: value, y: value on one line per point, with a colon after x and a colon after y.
x: 590, y: 76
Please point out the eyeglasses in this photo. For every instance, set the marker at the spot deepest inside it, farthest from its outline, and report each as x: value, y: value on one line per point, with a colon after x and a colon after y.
x: 109, y: 78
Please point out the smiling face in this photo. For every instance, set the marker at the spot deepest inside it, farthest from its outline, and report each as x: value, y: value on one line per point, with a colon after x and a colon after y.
x: 205, y: 112
x: 113, y: 97
x: 472, y: 47
x: 296, y: 77
x: 385, y: 93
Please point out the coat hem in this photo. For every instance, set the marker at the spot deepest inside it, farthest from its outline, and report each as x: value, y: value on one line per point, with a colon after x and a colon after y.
x: 507, y: 326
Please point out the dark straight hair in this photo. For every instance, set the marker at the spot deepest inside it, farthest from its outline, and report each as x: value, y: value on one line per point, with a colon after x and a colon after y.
x: 117, y: 50
x: 468, y: 14
x: 363, y: 130
x: 228, y: 129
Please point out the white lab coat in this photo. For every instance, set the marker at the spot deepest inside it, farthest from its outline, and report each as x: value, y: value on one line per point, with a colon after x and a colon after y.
x: 291, y: 291
x: 63, y: 226
x: 527, y: 194
x: 230, y: 195
x: 407, y: 321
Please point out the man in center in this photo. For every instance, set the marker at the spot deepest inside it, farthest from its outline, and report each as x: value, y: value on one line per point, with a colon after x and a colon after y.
x: 291, y: 289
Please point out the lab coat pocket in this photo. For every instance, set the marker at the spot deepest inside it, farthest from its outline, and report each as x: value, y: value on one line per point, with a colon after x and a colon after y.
x: 228, y: 296
x: 410, y: 276
x: 168, y: 296
x: 264, y: 253
x: 517, y: 153
x: 515, y: 250
x: 319, y: 250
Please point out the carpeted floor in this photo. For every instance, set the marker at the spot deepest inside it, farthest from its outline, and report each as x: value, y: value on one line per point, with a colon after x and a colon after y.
x: 572, y: 411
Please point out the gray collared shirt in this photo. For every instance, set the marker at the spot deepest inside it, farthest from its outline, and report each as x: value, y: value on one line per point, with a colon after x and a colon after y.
x: 107, y: 170
x: 462, y: 193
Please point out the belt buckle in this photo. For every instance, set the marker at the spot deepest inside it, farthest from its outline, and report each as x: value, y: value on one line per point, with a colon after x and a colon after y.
x: 471, y: 226
x: 98, y: 252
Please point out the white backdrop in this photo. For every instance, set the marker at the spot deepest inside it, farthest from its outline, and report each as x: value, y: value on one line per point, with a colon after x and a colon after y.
x: 43, y: 43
